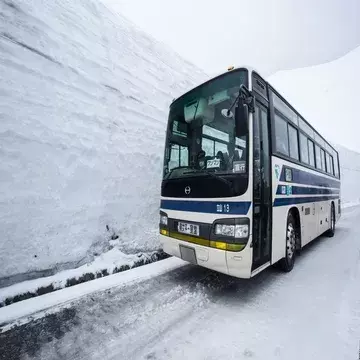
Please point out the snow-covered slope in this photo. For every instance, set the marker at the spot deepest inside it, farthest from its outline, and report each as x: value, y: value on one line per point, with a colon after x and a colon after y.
x: 83, y: 107
x: 350, y: 174
x: 328, y: 97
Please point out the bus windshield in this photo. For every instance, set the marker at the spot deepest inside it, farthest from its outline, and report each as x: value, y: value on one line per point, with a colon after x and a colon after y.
x: 201, y: 137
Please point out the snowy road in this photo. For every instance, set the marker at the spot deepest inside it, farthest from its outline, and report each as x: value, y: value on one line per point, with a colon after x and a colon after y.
x: 193, y: 313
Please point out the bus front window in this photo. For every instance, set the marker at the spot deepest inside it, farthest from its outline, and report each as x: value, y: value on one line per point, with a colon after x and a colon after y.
x: 201, y: 139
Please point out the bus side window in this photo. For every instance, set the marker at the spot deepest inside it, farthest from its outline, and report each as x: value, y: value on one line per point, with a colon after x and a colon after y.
x: 311, y: 153
x: 323, y: 165
x: 293, y: 142
x: 304, y: 151
x: 336, y: 167
x: 281, y: 134
x: 318, y: 157
x: 328, y: 168
x: 332, y: 165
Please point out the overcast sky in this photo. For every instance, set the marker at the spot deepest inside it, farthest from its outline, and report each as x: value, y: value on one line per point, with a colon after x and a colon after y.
x: 269, y: 35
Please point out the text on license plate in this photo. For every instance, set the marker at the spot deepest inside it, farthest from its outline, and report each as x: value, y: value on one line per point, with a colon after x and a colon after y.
x: 190, y: 229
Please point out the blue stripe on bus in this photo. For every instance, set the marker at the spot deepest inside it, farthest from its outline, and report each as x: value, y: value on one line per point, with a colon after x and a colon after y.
x: 302, y: 200
x: 307, y: 178
x: 298, y: 190
x: 208, y: 207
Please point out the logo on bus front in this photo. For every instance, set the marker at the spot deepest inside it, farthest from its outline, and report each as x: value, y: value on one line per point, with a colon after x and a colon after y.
x: 187, y: 190
x: 277, y: 171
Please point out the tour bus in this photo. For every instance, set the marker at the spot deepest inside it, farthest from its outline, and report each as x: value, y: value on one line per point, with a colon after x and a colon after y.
x: 247, y: 181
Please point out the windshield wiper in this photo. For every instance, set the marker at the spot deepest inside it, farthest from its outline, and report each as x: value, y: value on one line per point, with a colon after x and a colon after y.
x: 227, y: 182
x: 174, y: 169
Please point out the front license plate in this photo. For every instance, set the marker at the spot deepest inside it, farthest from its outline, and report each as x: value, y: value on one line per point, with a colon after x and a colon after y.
x: 188, y: 254
x: 189, y: 229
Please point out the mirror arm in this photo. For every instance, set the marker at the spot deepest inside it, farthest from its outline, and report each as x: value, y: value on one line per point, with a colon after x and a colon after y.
x: 251, y: 103
x: 248, y: 98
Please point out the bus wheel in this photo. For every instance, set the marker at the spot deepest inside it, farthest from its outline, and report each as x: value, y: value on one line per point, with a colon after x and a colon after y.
x: 287, y: 263
x: 331, y: 231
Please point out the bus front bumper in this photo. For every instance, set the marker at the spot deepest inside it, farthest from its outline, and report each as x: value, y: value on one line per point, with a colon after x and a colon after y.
x: 234, y: 263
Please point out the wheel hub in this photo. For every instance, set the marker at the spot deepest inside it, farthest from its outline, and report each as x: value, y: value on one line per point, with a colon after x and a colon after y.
x: 290, y: 241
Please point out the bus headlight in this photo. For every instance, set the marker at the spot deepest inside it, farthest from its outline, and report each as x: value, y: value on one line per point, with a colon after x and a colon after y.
x: 237, y: 231
x: 163, y: 225
x: 242, y: 231
x: 225, y: 230
x: 231, y: 231
x: 163, y: 220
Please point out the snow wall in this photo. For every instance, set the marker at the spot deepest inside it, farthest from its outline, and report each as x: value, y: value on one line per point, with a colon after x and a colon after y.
x: 83, y: 106
x: 84, y: 97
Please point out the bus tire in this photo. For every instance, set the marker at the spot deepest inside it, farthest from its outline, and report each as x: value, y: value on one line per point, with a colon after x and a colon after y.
x: 287, y: 263
x: 331, y: 231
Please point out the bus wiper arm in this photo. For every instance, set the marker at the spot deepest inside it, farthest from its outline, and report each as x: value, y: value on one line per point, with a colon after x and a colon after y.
x: 227, y: 182
x: 176, y: 168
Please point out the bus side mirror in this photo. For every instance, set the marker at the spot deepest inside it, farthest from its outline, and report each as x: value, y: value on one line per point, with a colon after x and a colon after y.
x: 241, y: 119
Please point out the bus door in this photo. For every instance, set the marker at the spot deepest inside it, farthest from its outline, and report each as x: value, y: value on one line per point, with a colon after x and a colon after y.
x: 262, y: 202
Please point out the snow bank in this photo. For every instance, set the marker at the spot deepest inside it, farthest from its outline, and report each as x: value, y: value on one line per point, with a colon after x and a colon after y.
x: 21, y: 313
x: 83, y: 107
x: 108, y: 263
x: 327, y: 96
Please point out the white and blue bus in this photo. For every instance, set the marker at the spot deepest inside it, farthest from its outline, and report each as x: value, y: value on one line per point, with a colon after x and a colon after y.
x: 247, y: 181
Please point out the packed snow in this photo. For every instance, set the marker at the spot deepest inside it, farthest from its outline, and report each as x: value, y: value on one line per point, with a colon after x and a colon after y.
x: 83, y: 108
